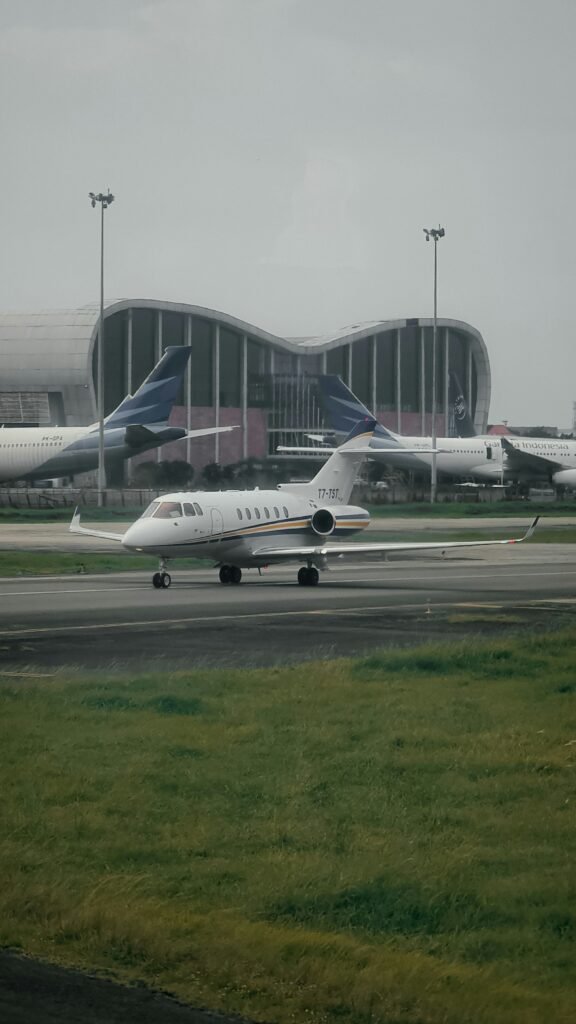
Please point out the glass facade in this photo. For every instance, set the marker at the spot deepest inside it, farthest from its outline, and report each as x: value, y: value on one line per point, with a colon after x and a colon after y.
x: 143, y: 344
x: 362, y: 370
x: 281, y: 385
x: 337, y: 362
x: 202, y: 363
x: 386, y: 358
x: 173, y: 329
x: 230, y: 368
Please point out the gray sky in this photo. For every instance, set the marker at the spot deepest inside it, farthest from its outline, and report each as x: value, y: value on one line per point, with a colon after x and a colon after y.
x: 278, y: 159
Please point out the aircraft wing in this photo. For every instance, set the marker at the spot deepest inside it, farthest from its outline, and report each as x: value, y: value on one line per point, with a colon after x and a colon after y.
x: 103, y: 534
x: 321, y: 553
x: 138, y: 435
x: 518, y: 458
x: 204, y: 431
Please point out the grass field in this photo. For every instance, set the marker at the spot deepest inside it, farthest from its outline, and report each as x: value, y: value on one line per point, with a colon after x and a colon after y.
x: 418, y: 510
x: 50, y: 563
x: 384, y: 840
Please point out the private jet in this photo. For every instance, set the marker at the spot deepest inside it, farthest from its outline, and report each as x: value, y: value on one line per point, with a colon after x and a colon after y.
x: 297, y: 522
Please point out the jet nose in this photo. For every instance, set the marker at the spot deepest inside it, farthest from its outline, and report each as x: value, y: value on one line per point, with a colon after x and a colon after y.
x: 136, y: 537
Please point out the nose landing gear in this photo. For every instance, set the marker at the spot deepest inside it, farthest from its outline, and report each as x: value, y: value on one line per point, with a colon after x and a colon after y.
x: 161, y: 580
x: 308, y: 576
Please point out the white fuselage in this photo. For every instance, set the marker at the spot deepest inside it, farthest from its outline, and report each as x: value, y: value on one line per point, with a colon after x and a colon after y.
x: 29, y: 451
x: 478, y: 457
x: 236, y: 526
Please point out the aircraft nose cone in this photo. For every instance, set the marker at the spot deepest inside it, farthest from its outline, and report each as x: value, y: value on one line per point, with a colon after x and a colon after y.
x: 135, y: 537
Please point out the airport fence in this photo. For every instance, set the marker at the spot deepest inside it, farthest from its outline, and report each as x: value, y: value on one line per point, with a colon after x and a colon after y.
x: 70, y: 497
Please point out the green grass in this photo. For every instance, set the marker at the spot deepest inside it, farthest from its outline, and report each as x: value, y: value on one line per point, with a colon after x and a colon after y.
x: 556, y: 535
x: 480, y: 509
x: 419, y: 510
x: 49, y: 563
x: 390, y: 839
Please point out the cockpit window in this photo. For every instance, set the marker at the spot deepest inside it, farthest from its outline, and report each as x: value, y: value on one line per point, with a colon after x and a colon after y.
x: 150, y: 510
x: 189, y: 509
x: 199, y: 511
x: 168, y: 510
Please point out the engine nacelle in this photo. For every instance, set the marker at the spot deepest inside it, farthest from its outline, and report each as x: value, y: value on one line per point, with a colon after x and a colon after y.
x: 347, y: 518
x: 323, y: 521
x: 565, y: 478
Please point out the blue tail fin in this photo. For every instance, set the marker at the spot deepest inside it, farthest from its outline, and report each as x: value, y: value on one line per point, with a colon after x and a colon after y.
x: 460, y: 421
x: 343, y: 410
x: 155, y: 397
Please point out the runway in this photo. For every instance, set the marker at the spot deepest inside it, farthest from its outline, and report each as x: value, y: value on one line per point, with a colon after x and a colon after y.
x: 119, y: 620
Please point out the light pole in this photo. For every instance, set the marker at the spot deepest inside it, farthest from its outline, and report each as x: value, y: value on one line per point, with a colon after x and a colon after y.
x: 104, y: 201
x: 435, y: 234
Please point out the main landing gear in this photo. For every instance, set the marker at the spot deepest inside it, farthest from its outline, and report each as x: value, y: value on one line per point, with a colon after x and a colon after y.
x: 230, y: 574
x: 308, y: 576
x: 161, y: 580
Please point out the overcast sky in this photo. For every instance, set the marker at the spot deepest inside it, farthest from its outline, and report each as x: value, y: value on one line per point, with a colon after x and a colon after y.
x: 278, y: 159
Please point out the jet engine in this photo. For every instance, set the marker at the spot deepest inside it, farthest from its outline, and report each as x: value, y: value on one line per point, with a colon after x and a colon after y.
x: 565, y: 478
x: 323, y: 521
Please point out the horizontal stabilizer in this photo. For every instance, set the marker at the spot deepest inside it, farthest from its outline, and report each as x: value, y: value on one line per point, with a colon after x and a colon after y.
x: 207, y: 431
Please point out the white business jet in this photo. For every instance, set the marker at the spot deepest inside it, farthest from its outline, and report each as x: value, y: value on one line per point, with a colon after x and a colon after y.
x: 255, y: 529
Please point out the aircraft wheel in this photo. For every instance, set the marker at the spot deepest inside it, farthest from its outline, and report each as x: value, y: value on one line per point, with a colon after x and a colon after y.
x: 166, y: 579
x: 235, y: 574
x: 303, y: 576
x: 157, y: 580
x: 313, y: 576
x: 225, y: 574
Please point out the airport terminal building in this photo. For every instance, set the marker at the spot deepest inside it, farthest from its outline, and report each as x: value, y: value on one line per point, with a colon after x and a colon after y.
x: 238, y: 373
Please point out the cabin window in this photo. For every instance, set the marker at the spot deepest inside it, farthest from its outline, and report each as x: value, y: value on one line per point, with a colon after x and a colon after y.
x: 266, y: 512
x: 257, y: 511
x: 276, y: 512
x: 248, y: 514
x: 168, y: 510
x: 189, y: 509
x: 239, y: 513
x: 199, y: 511
x: 285, y: 510
x: 150, y: 510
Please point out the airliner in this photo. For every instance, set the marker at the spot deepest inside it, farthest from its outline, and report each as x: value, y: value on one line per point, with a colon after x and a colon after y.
x: 486, y: 458
x: 139, y: 424
x: 297, y: 522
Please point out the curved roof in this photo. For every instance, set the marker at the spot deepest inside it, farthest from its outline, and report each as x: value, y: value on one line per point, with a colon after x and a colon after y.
x: 50, y: 343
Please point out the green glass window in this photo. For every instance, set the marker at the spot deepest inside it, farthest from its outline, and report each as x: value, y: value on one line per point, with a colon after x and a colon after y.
x: 230, y: 368
x: 143, y: 344
x: 202, y: 363
x: 386, y: 371
x: 362, y: 370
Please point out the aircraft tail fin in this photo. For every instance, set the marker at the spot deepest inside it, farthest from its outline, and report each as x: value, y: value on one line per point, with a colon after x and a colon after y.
x: 335, y: 480
x: 153, y: 401
x: 460, y: 421
x: 342, y: 409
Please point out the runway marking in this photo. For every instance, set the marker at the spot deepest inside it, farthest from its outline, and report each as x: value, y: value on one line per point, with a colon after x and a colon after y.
x: 332, y: 612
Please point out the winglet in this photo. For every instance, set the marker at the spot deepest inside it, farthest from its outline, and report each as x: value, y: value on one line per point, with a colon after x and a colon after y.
x: 74, y: 525
x: 531, y: 528
x: 528, y: 534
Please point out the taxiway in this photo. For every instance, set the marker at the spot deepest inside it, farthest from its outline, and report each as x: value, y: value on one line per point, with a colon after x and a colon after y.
x: 117, y: 620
